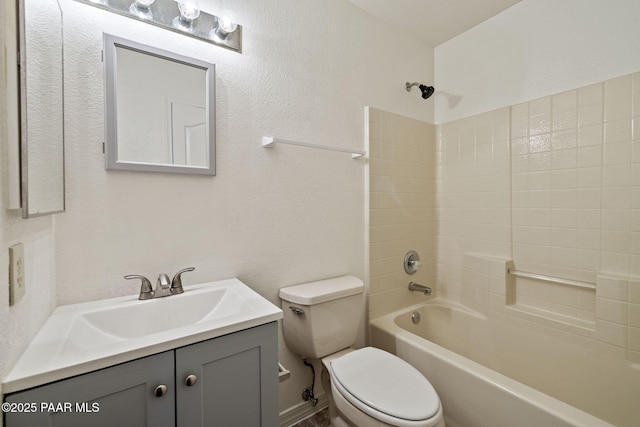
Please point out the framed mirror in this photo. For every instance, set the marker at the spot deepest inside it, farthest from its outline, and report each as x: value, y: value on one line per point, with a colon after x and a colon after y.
x: 41, y: 108
x: 159, y: 110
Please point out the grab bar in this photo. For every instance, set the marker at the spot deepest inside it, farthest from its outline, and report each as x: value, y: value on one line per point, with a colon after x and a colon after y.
x: 551, y: 279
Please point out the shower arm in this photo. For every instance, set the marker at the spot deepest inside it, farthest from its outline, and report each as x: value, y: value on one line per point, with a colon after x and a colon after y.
x: 410, y: 85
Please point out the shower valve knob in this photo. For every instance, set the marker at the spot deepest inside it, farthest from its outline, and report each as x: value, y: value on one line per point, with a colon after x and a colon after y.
x: 411, y: 262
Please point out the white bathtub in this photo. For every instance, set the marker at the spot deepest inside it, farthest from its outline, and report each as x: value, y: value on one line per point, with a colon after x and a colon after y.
x: 490, y: 373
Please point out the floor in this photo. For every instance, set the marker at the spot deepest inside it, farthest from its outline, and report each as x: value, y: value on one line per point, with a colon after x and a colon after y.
x: 320, y: 419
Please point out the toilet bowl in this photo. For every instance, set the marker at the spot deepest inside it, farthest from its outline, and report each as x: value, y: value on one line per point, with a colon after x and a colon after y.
x: 370, y: 387
x: 367, y: 387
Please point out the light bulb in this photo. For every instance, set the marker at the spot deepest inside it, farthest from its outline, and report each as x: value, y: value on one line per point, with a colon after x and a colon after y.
x: 143, y: 4
x: 189, y: 11
x: 227, y: 24
x: 142, y: 9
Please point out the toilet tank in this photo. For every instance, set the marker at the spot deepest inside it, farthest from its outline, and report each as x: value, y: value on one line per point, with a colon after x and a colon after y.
x: 321, y: 318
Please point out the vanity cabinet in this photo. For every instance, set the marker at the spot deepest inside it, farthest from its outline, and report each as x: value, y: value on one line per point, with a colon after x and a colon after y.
x: 231, y: 380
x: 123, y: 394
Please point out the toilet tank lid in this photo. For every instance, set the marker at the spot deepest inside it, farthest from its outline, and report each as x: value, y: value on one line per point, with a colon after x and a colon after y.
x: 322, y: 290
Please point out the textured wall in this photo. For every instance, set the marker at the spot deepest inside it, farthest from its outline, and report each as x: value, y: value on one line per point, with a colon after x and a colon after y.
x: 270, y: 217
x: 20, y: 322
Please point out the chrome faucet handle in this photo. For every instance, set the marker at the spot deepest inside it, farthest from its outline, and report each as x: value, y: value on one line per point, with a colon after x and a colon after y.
x: 176, y: 282
x: 146, y: 291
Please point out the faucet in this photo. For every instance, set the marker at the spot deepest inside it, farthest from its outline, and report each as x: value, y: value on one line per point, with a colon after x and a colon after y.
x: 164, y: 286
x: 413, y: 286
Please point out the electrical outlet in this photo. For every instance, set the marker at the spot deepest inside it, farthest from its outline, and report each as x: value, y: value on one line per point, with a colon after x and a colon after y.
x: 16, y: 273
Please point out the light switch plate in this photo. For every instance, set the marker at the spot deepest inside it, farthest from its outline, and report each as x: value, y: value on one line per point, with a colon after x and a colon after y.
x: 16, y: 273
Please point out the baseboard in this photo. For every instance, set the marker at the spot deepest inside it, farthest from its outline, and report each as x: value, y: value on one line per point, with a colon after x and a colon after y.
x: 303, y: 410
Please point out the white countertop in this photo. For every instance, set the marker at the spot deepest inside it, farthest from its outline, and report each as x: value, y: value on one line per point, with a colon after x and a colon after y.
x: 68, y: 345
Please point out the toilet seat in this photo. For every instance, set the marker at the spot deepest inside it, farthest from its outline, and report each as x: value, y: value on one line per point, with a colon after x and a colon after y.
x: 385, y: 387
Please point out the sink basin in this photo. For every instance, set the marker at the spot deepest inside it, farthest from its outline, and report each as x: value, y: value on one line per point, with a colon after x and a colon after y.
x: 84, y: 337
x: 142, y: 318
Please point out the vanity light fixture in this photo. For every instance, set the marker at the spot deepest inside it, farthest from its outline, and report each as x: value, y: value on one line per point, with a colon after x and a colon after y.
x: 181, y: 16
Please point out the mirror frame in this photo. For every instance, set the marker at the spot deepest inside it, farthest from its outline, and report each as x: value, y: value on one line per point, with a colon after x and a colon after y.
x: 27, y: 188
x: 111, y: 43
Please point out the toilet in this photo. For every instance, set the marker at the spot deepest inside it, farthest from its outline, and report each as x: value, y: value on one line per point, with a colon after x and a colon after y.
x: 366, y: 387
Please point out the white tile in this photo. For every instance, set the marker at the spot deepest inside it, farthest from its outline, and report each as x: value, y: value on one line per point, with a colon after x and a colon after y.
x: 563, y: 237
x: 617, y: 153
x: 561, y: 139
x: 589, y: 177
x: 564, y: 179
x: 617, y: 98
x: 611, y: 287
x: 616, y: 241
x: 588, y: 219
x: 611, y: 333
x: 617, y: 131
x: 634, y: 315
x: 592, y: 94
x: 615, y: 198
x: 520, y: 111
x: 541, y: 106
x: 611, y: 310
x: 590, y: 135
x: 540, y: 161
x: 565, y: 101
x: 588, y: 239
x: 616, y: 220
x: 634, y: 340
x: 634, y: 290
x: 615, y: 261
x: 590, y: 115
x: 567, y: 218
x: 540, y: 124
x: 564, y: 159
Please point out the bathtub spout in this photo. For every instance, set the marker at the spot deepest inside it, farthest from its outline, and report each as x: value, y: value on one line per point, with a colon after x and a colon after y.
x: 413, y: 286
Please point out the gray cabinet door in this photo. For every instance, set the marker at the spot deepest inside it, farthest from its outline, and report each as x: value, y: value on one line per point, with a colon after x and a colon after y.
x: 120, y: 396
x: 237, y: 381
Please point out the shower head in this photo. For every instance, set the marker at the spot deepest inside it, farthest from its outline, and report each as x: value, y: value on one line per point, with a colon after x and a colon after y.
x: 427, y: 91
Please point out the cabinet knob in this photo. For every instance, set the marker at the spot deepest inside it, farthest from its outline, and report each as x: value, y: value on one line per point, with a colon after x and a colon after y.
x: 160, y: 391
x: 190, y: 380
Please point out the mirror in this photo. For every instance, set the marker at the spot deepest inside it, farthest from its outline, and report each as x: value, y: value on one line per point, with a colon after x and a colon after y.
x: 41, y: 108
x: 159, y: 110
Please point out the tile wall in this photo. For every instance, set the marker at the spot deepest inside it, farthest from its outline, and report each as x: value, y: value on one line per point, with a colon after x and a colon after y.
x: 474, y: 194
x: 550, y: 186
x: 553, y: 185
x: 401, y: 209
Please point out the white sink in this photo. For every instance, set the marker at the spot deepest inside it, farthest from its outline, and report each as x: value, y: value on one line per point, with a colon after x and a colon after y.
x: 80, y: 338
x: 140, y: 318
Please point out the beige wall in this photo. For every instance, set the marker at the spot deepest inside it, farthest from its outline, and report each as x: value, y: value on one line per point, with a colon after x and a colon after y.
x: 401, y: 209
x: 552, y: 184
